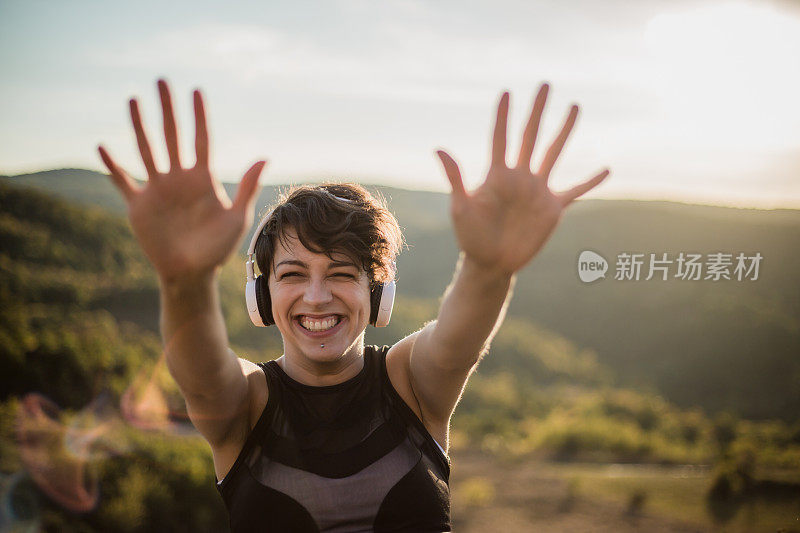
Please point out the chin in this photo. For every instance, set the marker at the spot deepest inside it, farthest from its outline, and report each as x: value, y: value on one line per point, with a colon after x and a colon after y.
x: 335, y: 351
x: 331, y: 354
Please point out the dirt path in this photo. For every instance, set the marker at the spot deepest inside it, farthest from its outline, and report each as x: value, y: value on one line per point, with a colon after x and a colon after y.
x: 526, y: 500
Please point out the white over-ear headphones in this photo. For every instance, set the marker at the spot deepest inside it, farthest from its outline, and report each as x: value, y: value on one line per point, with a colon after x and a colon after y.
x: 259, y: 303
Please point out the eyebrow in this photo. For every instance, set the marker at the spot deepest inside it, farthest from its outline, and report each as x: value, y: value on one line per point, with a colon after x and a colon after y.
x: 297, y: 262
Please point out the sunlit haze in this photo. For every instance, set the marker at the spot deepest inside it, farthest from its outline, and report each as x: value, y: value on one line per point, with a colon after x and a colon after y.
x: 683, y: 100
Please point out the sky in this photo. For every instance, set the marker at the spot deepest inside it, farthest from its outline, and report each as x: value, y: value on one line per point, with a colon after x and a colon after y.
x: 685, y: 100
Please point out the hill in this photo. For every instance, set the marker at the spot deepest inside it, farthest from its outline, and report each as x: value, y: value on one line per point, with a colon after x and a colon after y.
x: 723, y: 345
x: 84, y: 389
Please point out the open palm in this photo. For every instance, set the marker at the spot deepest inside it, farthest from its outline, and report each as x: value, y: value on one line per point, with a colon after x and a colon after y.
x: 183, y: 219
x: 504, y: 223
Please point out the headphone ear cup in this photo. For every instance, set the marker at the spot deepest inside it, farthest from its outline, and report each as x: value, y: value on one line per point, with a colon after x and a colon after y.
x: 375, y: 293
x: 381, y: 303
x: 264, y: 301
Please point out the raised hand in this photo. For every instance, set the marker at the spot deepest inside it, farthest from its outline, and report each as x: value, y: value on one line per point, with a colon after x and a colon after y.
x: 183, y: 219
x: 504, y: 223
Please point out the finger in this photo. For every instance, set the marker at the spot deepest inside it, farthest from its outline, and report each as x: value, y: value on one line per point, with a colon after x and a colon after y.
x: 248, y: 186
x: 453, y: 173
x: 118, y: 176
x: 499, y: 140
x: 555, y: 149
x: 170, y: 128
x: 141, y: 140
x: 569, y: 196
x: 201, y: 131
x: 532, y: 128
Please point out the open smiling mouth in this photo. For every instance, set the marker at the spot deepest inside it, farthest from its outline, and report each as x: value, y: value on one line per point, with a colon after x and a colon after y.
x: 319, y: 325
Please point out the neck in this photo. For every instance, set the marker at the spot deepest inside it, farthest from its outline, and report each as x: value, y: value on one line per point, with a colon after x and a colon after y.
x: 321, y: 370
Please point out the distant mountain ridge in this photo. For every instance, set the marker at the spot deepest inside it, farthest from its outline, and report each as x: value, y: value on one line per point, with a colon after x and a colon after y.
x: 727, y: 345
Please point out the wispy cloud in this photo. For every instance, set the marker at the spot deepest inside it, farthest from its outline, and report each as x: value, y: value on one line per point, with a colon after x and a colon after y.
x: 671, y: 91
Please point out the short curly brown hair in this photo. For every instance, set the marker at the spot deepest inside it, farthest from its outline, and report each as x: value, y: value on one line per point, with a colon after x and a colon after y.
x: 335, y: 217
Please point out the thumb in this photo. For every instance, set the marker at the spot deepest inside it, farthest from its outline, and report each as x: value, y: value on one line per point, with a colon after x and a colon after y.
x: 453, y: 174
x: 248, y: 186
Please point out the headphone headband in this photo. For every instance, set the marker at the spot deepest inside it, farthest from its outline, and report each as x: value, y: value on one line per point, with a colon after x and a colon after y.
x: 252, y: 248
x: 251, y: 274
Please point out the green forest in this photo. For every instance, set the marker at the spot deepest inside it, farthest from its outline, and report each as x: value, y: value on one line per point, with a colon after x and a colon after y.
x: 93, y: 432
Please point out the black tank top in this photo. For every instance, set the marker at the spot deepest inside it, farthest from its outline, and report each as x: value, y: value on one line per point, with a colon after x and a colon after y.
x: 348, y: 457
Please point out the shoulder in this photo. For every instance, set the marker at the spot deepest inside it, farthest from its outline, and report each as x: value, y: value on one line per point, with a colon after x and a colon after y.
x: 399, y: 370
x: 257, y: 397
x: 258, y: 390
x: 225, y: 452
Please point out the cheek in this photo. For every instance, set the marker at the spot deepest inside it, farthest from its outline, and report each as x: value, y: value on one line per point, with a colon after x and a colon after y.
x: 366, y: 302
x: 359, y: 298
x: 280, y: 296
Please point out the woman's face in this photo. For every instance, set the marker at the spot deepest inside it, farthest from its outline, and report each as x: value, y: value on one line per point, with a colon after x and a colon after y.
x: 318, y: 301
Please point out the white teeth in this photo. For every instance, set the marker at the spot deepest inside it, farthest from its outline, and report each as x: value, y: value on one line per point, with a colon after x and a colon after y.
x: 313, y: 324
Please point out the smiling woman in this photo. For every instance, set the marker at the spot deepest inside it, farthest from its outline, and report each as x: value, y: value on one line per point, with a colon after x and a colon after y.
x: 336, y: 445
x: 332, y: 435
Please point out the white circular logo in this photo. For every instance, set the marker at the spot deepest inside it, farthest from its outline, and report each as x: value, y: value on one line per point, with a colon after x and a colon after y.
x: 591, y: 266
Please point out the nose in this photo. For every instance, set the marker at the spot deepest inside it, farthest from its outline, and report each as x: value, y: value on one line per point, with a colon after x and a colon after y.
x: 317, y: 292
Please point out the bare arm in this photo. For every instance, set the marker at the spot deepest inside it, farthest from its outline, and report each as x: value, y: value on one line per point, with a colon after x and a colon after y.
x: 471, y: 312
x: 208, y: 373
x: 187, y: 227
x: 500, y: 227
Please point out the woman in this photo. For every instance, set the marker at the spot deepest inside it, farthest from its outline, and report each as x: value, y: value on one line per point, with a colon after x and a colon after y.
x: 332, y: 436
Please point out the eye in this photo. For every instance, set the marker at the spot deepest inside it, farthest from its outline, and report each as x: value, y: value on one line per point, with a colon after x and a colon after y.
x: 344, y: 275
x: 288, y: 274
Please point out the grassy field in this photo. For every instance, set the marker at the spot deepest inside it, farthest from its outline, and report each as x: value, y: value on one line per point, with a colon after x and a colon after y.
x: 547, y: 496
